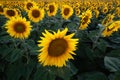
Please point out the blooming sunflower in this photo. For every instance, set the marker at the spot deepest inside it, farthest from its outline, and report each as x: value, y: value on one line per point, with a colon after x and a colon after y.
x: 41, y: 3
x: 35, y: 14
x: 111, y: 28
x: 67, y: 11
x: 117, y: 11
x: 85, y: 19
x: 96, y: 13
x: 18, y: 27
x: 77, y: 11
x: 110, y: 7
x: 52, y: 9
x: 20, y: 4
x: 56, y: 48
x: 19, y: 12
x: 9, y: 13
x: 118, y: 14
x: 95, y: 8
x: 108, y: 19
x: 77, y: 5
x: 28, y: 4
x: 105, y: 10
x: 83, y: 8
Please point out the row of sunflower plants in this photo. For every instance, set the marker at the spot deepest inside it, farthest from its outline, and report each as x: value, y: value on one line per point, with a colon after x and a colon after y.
x: 60, y: 40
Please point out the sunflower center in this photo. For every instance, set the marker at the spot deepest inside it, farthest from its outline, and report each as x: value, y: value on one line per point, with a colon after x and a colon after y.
x: 105, y: 22
x: 51, y: 8
x: 10, y: 12
x: 105, y: 10
x: 77, y: 12
x: 85, y: 19
x: 35, y: 13
x: 57, y: 47
x: 1, y: 9
x: 66, y: 11
x: 19, y: 27
x: 83, y: 8
x: 29, y: 5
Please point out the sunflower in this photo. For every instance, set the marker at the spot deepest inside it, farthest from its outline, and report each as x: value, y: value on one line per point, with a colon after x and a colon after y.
x: 111, y: 28
x: 67, y: 11
x: 86, y: 16
x: 77, y: 11
x: 117, y: 2
x: 18, y: 27
x: 28, y: 4
x: 118, y: 14
x: 41, y: 3
x: 117, y: 11
x: 20, y: 4
x: 83, y: 8
x: 7, y: 4
x: 111, y: 17
x: 9, y: 13
x: 77, y: 5
x: 52, y: 9
x: 12, y: 3
x: 96, y: 13
x: 110, y: 7
x: 95, y: 8
x: 56, y: 48
x: 108, y: 19
x: 105, y: 10
x: 19, y: 12
x: 35, y: 14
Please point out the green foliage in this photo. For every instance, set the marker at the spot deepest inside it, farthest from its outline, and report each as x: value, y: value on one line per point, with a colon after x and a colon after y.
x: 92, y: 76
x: 97, y: 57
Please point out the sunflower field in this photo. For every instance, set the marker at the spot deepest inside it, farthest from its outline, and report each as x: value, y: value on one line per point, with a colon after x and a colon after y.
x: 59, y: 39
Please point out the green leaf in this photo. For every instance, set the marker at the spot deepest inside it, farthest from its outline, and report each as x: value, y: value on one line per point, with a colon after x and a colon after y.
x: 114, y: 53
x: 111, y: 76
x: 72, y: 26
x: 93, y: 35
x: 31, y: 42
x: 117, y: 75
x: 5, y: 38
x: 83, y: 36
x: 20, y: 69
x: 102, y: 45
x: 92, y: 76
x: 5, y: 51
x: 15, y: 54
x: 2, y: 33
x: 115, y: 39
x: 67, y: 72
x: 32, y: 47
x: 44, y: 73
x: 28, y: 68
x: 89, y: 53
x: 114, y: 76
x: 11, y: 54
x: 14, y: 71
x: 50, y: 73
x: 112, y: 63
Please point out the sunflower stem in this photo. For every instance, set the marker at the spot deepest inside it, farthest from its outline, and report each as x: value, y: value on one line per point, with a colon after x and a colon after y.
x: 37, y: 26
x: 14, y: 42
x: 98, y: 36
x: 26, y: 51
